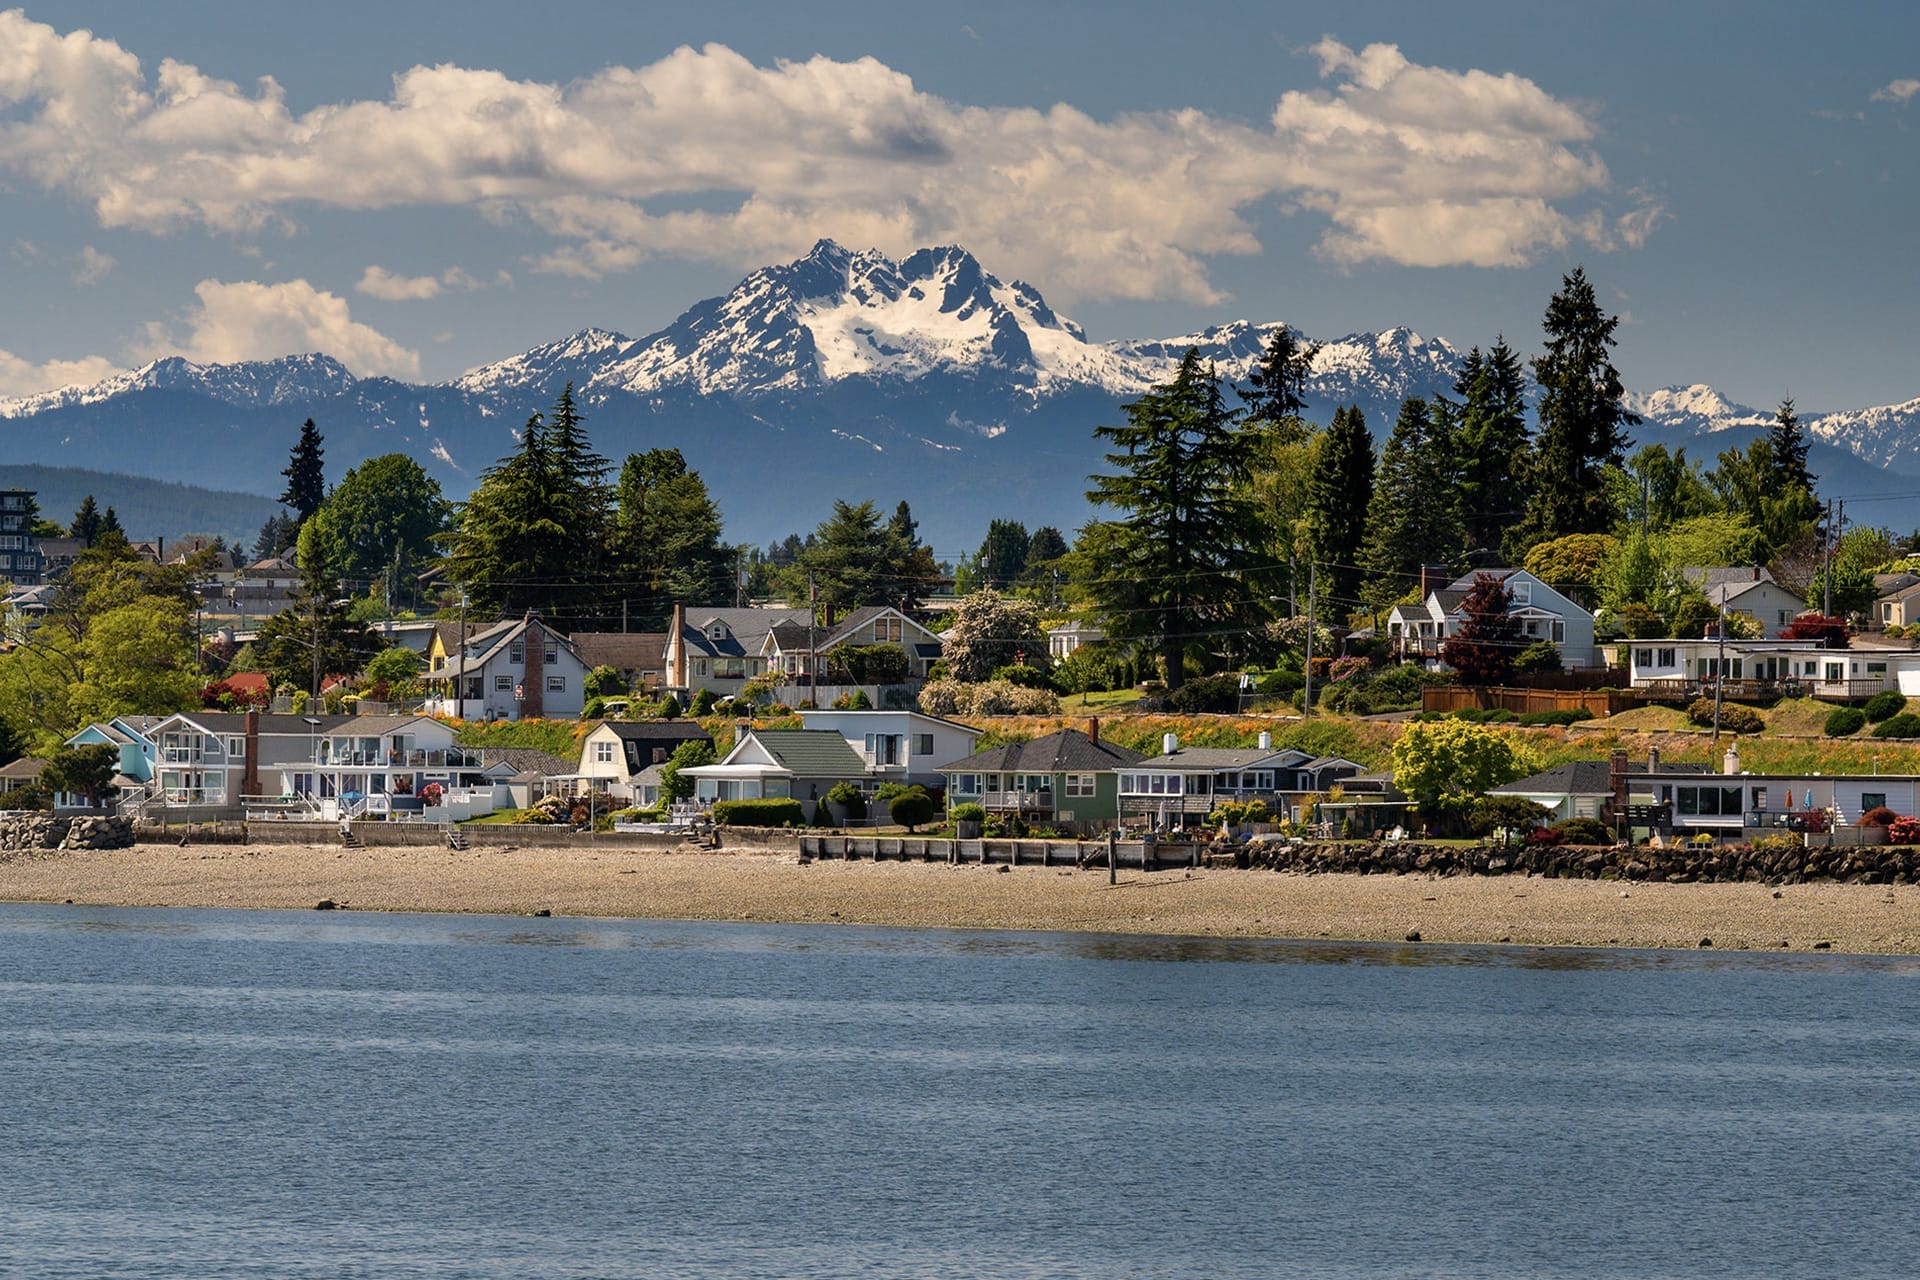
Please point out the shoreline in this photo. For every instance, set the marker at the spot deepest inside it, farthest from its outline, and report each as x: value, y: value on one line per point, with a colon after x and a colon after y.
x: 772, y: 888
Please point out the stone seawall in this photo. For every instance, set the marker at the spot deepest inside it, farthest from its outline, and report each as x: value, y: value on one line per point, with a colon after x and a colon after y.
x: 1871, y: 864
x: 44, y: 831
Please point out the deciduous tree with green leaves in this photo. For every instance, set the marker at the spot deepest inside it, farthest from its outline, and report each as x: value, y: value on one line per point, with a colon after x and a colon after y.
x: 1449, y: 763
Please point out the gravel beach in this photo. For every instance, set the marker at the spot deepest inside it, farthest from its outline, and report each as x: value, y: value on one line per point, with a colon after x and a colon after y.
x: 748, y: 886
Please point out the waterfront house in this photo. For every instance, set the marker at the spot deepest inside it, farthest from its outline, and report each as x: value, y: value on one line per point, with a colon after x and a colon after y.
x: 1184, y: 784
x: 1067, y: 776
x: 898, y: 746
x: 1757, y: 669
x: 802, y: 763
x: 872, y: 647
x: 618, y: 752
x: 132, y: 737
x: 15, y: 774
x: 1068, y: 636
x: 1898, y: 604
x: 1583, y: 788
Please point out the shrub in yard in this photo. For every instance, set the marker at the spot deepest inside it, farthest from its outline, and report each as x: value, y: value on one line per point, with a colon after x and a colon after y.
x: 1515, y: 813
x: 781, y: 812
x: 850, y: 798
x: 1207, y: 693
x: 1573, y: 715
x: 703, y: 703
x: 1879, y: 816
x: 1734, y: 718
x: 913, y: 808
x: 1885, y: 705
x: 1904, y: 725
x: 1842, y: 721
x: 1583, y: 831
x: 1904, y: 830
x: 968, y: 813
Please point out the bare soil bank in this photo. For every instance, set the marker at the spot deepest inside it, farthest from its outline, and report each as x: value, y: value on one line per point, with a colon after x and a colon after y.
x: 746, y: 886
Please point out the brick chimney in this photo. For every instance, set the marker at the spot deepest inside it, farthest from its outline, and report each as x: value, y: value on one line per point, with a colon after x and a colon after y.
x: 1433, y: 577
x: 1617, y: 783
x: 534, y: 686
x: 679, y: 642
x: 1093, y: 730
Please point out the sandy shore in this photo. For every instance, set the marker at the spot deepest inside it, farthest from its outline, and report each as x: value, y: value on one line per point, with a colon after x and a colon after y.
x: 740, y: 886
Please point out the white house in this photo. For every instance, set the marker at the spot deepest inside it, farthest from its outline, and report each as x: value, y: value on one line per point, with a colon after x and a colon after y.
x: 1068, y: 636
x: 1689, y: 668
x: 721, y: 649
x: 899, y: 746
x: 619, y: 752
x: 1750, y: 592
x: 1418, y: 632
x: 796, y: 648
x: 1185, y: 782
x: 801, y: 763
x: 514, y: 670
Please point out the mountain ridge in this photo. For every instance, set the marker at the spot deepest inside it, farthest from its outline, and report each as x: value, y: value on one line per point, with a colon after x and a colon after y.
x: 843, y: 373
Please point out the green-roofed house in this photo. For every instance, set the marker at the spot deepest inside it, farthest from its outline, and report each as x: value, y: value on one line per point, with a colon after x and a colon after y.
x: 801, y: 763
x: 1064, y: 777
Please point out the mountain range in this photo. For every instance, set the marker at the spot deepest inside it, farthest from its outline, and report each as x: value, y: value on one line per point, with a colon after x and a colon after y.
x: 841, y: 374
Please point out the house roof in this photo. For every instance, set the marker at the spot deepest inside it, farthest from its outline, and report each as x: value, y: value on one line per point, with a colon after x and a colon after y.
x: 1583, y: 778
x: 747, y: 627
x: 1464, y: 583
x: 622, y: 650
x: 1216, y: 758
x: 1449, y: 599
x: 528, y: 761
x: 1068, y: 751
x: 1708, y: 576
x: 1884, y: 583
x: 488, y: 644
x: 811, y: 753
x: 25, y: 769
x: 655, y: 731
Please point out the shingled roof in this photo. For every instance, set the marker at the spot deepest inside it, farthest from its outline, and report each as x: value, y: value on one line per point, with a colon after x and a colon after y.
x: 1068, y: 751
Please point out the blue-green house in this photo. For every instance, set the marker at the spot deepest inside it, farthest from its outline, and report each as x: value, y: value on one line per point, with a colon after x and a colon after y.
x: 132, y: 735
x: 1064, y: 777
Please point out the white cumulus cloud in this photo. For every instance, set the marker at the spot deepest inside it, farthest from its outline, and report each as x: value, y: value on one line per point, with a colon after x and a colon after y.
x: 378, y: 282
x: 22, y: 377
x: 1407, y: 163
x: 1901, y: 91
x: 248, y: 320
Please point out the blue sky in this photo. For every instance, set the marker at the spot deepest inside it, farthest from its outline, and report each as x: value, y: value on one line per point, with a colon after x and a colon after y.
x: 423, y: 188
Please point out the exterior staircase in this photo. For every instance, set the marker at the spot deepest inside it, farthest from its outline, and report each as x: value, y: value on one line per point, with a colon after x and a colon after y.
x: 456, y: 838
x: 349, y: 838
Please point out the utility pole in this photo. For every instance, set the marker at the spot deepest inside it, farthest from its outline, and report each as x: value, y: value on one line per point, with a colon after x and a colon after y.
x: 1826, y: 566
x: 813, y: 657
x: 1306, y: 692
x: 460, y: 664
x: 316, y: 647
x: 1646, y: 500
x: 1720, y: 670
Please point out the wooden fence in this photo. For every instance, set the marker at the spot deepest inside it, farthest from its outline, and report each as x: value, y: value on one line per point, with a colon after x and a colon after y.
x: 1455, y: 697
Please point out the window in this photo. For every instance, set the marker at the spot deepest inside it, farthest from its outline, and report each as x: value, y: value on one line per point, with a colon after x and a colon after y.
x: 1644, y: 657
x: 1760, y: 799
x: 603, y: 753
x: 552, y: 655
x: 885, y: 748
x: 1666, y: 658
x: 236, y: 748
x: 886, y: 631
x: 966, y: 784
x: 517, y: 655
x: 556, y: 684
x: 1559, y: 631
x: 923, y: 744
x: 1522, y: 591
x: 1533, y: 626
x: 1872, y: 800
x: 1080, y: 784
x: 1260, y: 781
x: 503, y: 684
x: 1876, y: 668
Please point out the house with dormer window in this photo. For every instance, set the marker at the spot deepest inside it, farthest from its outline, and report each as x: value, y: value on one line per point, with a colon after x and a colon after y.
x: 513, y: 670
x: 872, y: 645
x: 1418, y: 632
x: 715, y: 648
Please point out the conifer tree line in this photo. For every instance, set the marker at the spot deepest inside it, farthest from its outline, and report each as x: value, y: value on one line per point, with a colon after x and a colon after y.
x: 1219, y: 517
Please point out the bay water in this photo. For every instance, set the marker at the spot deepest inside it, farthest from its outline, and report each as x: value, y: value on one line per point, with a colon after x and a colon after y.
x: 220, y: 1094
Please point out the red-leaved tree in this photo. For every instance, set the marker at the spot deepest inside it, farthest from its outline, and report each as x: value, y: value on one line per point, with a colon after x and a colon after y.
x: 1830, y: 632
x: 1482, y: 650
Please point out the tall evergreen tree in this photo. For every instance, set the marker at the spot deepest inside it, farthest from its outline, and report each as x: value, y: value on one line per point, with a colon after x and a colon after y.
x: 854, y: 559
x: 86, y: 522
x: 1489, y: 448
x: 275, y: 538
x: 1168, y: 574
x: 1339, y: 491
x: 1788, y: 444
x: 667, y: 539
x: 110, y: 530
x: 1276, y: 392
x: 1582, y: 422
x: 918, y: 573
x: 306, y: 479
x: 1410, y: 522
x: 1003, y: 554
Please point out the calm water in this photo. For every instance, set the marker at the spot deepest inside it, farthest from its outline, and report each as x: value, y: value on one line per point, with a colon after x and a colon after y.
x: 209, y: 1094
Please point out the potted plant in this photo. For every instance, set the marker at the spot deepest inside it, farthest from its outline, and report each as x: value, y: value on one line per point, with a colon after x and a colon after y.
x: 968, y: 821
